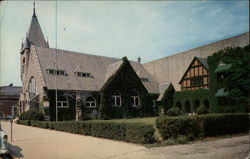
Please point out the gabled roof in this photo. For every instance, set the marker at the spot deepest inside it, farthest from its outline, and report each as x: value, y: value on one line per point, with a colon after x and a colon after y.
x: 163, y: 87
x: 100, y: 68
x: 151, y: 85
x: 203, y: 61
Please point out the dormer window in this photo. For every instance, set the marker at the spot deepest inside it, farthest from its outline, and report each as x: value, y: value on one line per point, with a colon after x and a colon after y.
x: 57, y: 72
x: 143, y: 79
x: 83, y: 74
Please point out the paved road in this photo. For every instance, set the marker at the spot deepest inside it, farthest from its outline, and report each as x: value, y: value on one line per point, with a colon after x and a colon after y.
x: 35, y: 143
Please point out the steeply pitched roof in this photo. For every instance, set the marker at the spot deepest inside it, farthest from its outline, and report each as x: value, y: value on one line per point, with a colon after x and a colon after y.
x: 34, y: 34
x: 151, y: 85
x: 100, y: 68
x: 203, y: 61
x: 163, y: 87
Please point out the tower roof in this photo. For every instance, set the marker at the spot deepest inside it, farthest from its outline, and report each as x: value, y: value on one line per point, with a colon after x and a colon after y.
x: 35, y: 35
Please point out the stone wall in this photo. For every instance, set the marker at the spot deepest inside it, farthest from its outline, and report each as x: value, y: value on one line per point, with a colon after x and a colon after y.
x: 172, y: 68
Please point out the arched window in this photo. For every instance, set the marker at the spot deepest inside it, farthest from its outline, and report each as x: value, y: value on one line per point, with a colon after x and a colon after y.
x: 206, y: 103
x: 23, y: 64
x: 32, y: 87
x: 62, y: 102
x: 187, y: 107
x: 196, y: 105
x: 179, y: 105
x: 90, y: 102
x: 116, y: 99
x: 135, y: 99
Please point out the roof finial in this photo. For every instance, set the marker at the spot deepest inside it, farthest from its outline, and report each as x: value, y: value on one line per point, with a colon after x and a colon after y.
x: 34, y: 8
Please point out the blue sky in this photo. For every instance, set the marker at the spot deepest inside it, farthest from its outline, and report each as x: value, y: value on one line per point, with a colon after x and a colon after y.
x: 149, y: 29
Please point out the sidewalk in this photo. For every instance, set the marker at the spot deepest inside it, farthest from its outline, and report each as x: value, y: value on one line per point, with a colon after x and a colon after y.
x: 36, y: 143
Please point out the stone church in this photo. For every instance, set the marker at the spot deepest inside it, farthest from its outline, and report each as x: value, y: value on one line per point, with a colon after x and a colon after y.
x: 68, y: 85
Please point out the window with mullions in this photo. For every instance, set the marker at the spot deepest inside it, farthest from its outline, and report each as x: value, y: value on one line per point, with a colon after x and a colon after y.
x: 90, y: 102
x: 197, y: 81
x: 32, y: 87
x: 135, y: 99
x: 57, y: 72
x: 83, y: 74
x: 116, y: 99
x: 62, y: 102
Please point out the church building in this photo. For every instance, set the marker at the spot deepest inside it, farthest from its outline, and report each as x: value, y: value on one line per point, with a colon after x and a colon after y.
x: 80, y: 82
x: 68, y: 85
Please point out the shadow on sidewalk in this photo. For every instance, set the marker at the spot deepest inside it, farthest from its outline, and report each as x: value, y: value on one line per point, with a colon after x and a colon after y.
x: 16, y: 150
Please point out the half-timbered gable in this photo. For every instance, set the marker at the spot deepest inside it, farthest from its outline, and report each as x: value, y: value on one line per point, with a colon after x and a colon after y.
x: 196, y: 76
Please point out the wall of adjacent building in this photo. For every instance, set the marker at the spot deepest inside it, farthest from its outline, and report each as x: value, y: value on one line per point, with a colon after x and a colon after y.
x: 172, y: 68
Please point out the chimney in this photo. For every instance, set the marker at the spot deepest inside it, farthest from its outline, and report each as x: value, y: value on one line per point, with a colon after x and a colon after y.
x: 139, y: 59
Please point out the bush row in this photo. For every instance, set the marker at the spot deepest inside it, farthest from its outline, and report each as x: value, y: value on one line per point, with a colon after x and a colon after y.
x: 202, y: 125
x: 130, y: 132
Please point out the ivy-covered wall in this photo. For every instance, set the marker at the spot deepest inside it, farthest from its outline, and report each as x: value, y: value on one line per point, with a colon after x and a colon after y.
x: 190, y: 100
x: 63, y: 113
x: 167, y: 99
x: 237, y: 81
x: 125, y: 80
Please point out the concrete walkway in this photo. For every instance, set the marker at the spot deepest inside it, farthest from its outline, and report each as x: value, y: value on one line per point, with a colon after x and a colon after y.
x: 36, y: 143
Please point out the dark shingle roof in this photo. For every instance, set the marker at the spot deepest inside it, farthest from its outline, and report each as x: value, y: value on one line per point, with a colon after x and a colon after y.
x: 203, y: 61
x: 34, y: 35
x: 10, y: 90
x: 99, y: 67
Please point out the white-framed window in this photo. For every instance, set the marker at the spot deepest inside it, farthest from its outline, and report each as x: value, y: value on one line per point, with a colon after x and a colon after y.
x: 32, y: 87
x: 62, y: 102
x: 135, y: 99
x: 116, y: 99
x: 90, y: 102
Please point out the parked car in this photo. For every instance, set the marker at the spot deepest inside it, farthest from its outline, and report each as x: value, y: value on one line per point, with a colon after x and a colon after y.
x: 9, y: 117
x: 3, y: 142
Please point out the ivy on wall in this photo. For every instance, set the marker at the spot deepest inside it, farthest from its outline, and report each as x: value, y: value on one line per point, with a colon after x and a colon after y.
x: 237, y: 81
x: 190, y: 100
x: 124, y: 80
x: 168, y: 98
x: 63, y: 113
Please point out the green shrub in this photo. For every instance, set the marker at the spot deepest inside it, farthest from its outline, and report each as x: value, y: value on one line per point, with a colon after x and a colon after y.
x: 130, y: 132
x: 32, y: 114
x: 202, y: 125
x: 202, y: 110
x: 175, y: 126
x: 182, y: 139
x: 219, y: 124
x: 175, y: 111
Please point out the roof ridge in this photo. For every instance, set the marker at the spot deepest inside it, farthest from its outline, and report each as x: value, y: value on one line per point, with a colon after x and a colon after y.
x: 81, y: 53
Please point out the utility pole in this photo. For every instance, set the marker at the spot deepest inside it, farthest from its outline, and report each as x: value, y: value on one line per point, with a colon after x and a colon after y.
x: 56, y: 62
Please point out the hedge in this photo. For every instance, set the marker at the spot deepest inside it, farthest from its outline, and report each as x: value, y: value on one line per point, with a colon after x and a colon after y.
x: 130, y: 132
x: 202, y: 125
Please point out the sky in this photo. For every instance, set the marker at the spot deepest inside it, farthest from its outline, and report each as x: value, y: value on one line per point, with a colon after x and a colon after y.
x: 146, y: 29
